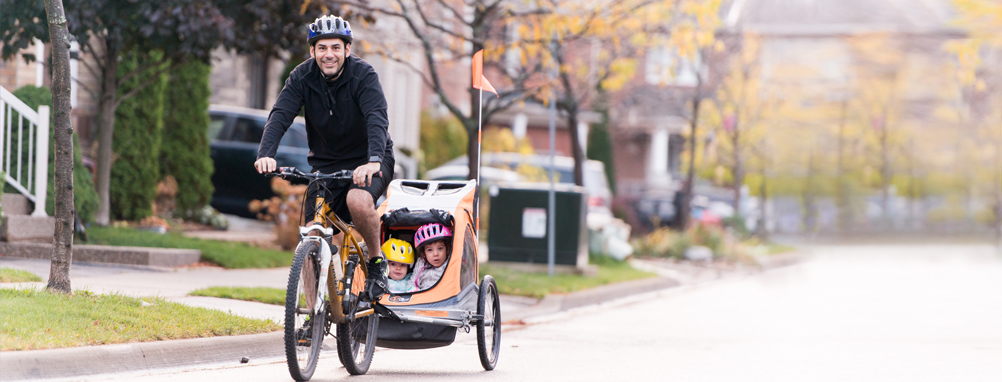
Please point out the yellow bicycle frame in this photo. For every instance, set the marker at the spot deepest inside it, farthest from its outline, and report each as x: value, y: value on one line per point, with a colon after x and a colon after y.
x: 326, y: 217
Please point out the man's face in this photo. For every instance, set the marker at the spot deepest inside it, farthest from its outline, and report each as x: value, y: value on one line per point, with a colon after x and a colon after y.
x: 330, y: 54
x: 397, y: 270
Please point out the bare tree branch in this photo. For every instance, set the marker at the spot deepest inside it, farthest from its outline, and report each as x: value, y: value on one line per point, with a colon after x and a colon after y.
x: 369, y: 8
x: 432, y: 67
x: 452, y: 10
x: 424, y: 18
x: 141, y: 68
x: 96, y: 72
x: 163, y: 69
x: 88, y: 89
x: 88, y: 49
x: 427, y: 81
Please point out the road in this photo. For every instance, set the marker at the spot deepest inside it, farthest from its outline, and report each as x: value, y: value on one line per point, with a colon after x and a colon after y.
x: 849, y: 313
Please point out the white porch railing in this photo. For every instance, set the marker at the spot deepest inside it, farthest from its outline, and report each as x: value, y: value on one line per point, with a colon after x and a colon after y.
x: 28, y: 174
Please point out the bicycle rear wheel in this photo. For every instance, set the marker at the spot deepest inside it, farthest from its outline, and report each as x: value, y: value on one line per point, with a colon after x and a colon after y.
x: 356, y: 339
x: 304, y: 322
x: 489, y: 326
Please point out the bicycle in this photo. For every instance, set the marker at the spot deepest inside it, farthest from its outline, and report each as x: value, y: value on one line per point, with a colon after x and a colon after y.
x: 319, y: 281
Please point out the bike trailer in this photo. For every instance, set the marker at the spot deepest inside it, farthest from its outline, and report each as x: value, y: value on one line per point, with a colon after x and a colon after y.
x: 430, y: 317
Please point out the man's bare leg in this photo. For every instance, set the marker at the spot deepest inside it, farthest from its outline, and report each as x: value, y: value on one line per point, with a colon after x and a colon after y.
x: 363, y: 214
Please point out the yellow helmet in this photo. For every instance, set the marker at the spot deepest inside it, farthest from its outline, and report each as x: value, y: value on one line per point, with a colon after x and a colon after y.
x: 399, y: 251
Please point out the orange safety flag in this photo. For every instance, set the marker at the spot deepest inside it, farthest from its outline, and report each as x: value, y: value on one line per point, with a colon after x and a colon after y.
x: 479, y: 81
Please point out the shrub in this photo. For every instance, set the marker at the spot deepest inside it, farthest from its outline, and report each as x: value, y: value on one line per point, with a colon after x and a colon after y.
x: 135, y: 170
x: 184, y: 153
x: 84, y: 194
x: 600, y: 149
x: 664, y: 242
x: 284, y: 209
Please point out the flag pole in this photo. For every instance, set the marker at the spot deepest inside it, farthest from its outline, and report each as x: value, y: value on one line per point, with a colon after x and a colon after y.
x: 480, y: 121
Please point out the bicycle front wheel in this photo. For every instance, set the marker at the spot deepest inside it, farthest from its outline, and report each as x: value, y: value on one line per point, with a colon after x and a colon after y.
x: 304, y: 321
x: 356, y: 339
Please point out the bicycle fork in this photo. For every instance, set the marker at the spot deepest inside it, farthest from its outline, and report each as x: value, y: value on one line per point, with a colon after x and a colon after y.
x: 325, y: 268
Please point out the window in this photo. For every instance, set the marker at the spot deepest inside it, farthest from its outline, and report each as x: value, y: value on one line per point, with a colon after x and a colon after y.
x: 248, y: 130
x: 665, y: 67
x: 216, y: 124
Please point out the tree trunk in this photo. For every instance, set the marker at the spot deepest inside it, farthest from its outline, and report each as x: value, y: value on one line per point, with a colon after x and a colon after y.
x: 473, y: 129
x: 841, y: 194
x: 62, y: 253
x: 579, y: 160
x: 885, y: 176
x: 106, y: 126
x: 763, y: 231
x: 570, y: 105
x: 739, y: 175
x: 810, y: 209
x: 683, y: 215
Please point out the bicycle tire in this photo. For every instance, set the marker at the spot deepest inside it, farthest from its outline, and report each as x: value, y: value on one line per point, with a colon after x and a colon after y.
x: 304, y: 326
x: 489, y: 326
x: 356, y: 339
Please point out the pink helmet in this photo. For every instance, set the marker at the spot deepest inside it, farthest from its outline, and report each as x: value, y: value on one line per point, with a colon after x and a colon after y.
x: 430, y: 232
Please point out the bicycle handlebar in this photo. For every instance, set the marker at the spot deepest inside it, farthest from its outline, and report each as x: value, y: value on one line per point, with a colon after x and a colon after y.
x: 292, y: 172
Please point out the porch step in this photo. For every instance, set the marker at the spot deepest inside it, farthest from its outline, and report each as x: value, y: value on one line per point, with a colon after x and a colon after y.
x: 15, y: 204
x: 27, y: 228
x: 157, y: 257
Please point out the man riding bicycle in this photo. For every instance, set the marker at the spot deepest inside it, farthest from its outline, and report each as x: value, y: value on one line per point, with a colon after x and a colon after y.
x: 346, y: 125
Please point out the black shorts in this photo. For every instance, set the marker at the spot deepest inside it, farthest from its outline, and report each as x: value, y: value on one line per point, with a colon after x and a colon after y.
x: 336, y: 193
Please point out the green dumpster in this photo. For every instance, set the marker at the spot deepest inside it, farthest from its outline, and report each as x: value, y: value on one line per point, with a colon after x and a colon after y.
x: 518, y: 224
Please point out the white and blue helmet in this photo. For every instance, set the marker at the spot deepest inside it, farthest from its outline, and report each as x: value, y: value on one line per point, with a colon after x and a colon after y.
x: 329, y: 27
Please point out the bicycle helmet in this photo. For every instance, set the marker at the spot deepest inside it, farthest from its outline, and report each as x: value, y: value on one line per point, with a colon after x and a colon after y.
x: 430, y: 232
x: 399, y: 251
x: 329, y: 27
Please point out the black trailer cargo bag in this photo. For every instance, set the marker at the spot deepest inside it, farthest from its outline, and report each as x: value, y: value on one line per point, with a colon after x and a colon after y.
x: 404, y: 217
x: 411, y: 335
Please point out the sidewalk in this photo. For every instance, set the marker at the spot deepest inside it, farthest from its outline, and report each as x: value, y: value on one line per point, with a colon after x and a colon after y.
x: 241, y: 229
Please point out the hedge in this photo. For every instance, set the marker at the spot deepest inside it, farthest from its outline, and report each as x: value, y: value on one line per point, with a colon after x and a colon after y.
x: 185, y: 149
x: 135, y: 170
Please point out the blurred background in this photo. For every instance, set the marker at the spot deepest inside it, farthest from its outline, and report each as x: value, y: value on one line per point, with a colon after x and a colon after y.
x: 852, y: 148
x: 824, y: 117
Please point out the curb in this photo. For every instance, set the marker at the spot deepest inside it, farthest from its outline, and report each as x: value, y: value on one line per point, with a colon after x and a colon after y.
x: 108, y: 254
x: 554, y: 303
x: 139, y: 356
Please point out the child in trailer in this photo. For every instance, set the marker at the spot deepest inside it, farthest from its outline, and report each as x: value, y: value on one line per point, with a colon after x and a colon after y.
x: 433, y: 242
x: 400, y: 258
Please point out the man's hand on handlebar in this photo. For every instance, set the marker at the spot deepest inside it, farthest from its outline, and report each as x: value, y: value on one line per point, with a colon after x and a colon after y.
x: 266, y: 165
x: 362, y: 176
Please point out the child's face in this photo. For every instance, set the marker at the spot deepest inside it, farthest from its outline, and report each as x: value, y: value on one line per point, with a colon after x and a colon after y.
x: 397, y: 270
x: 435, y: 254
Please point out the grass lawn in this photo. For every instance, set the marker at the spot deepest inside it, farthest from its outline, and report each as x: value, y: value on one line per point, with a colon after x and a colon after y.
x: 273, y: 296
x: 37, y: 319
x: 224, y: 253
x: 779, y: 248
x: 540, y: 284
x: 10, y: 275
